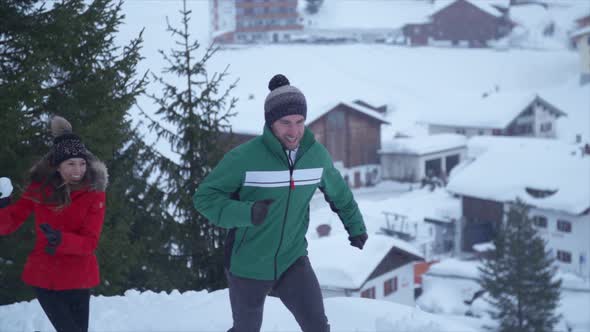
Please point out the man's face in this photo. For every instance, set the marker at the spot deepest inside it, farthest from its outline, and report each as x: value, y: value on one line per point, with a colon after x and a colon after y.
x: 289, y: 130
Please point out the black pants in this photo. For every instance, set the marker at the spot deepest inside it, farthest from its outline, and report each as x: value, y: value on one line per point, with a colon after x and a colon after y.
x: 298, y: 289
x: 67, y: 310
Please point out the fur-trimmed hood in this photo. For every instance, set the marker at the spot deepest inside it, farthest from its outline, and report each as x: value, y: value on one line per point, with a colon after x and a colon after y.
x: 96, y: 171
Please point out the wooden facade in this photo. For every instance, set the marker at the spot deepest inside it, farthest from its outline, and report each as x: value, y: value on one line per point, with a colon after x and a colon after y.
x: 350, y: 136
x: 481, y: 219
x: 459, y: 22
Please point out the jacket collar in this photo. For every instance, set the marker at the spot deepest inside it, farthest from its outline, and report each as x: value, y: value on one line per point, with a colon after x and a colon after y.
x: 275, y: 146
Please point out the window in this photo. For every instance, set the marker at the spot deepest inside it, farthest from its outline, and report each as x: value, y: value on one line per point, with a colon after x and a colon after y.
x: 564, y: 256
x: 368, y: 293
x: 460, y: 131
x: 564, y: 226
x: 540, y: 221
x: 497, y: 132
x: 545, y: 127
x: 390, y: 286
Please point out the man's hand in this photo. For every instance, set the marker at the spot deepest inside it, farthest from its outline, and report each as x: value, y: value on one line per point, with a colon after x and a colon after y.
x: 5, y: 191
x: 259, y: 211
x: 358, y: 240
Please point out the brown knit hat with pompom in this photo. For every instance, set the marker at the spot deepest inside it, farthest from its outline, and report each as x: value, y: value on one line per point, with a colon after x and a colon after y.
x: 66, y: 144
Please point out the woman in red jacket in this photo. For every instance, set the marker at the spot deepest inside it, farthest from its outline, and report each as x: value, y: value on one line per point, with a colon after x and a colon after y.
x: 67, y: 197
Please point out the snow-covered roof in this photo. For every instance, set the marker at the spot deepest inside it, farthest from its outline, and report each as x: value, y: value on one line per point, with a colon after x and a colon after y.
x: 359, y: 108
x: 580, y: 32
x: 337, y: 264
x: 365, y: 14
x: 573, y: 99
x: 483, y: 5
x: 419, y: 205
x: 509, y: 166
x: 532, y: 16
x: 455, y: 267
x: 424, y: 144
x: 496, y: 110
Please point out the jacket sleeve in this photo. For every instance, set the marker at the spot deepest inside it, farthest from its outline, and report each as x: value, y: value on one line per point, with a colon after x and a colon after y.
x: 84, y: 241
x: 339, y: 196
x: 14, y: 215
x: 213, y: 198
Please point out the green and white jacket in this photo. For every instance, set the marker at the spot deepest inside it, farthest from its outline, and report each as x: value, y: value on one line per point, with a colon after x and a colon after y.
x: 260, y: 169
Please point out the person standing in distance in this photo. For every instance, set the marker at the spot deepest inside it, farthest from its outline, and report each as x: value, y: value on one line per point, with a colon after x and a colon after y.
x: 261, y: 191
x: 67, y: 196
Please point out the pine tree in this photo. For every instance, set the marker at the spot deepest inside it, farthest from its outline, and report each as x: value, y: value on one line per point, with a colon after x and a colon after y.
x: 63, y: 60
x: 520, y: 277
x: 198, y: 110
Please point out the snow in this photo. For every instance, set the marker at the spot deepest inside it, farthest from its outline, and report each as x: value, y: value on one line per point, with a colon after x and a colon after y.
x: 202, y: 311
x: 456, y: 268
x: 496, y: 110
x: 483, y: 5
x: 574, y: 100
x: 362, y: 109
x: 415, y: 205
x: 450, y: 282
x: 351, y: 273
x: 355, y: 14
x: 535, y: 163
x: 581, y: 32
x: 424, y: 144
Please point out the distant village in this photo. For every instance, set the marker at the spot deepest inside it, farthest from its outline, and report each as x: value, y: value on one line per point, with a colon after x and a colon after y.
x: 505, y: 144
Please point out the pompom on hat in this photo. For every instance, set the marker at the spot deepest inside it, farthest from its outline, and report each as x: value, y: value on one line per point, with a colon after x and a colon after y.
x: 66, y: 144
x: 283, y: 99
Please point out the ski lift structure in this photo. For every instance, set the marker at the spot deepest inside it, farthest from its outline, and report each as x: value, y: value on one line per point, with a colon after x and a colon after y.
x: 397, y: 225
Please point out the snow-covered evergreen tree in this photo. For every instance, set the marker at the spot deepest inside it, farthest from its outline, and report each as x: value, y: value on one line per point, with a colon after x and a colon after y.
x: 519, y: 276
x: 192, y: 116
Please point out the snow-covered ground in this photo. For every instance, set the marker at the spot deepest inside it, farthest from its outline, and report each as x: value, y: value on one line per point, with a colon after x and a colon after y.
x: 202, y: 311
x: 455, y: 281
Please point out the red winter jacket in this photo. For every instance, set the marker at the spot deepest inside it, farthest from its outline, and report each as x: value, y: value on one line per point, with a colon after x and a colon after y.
x: 74, y: 264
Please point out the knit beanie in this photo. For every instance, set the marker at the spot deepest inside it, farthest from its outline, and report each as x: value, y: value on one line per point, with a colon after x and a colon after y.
x: 283, y: 99
x: 66, y: 144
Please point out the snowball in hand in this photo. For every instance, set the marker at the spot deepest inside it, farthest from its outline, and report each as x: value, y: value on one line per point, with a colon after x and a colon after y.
x: 5, y: 187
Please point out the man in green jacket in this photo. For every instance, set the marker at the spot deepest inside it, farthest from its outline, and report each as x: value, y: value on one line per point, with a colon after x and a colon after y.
x: 261, y: 191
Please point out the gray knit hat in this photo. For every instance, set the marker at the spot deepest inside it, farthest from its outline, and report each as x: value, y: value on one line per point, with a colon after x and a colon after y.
x: 66, y: 144
x: 283, y: 99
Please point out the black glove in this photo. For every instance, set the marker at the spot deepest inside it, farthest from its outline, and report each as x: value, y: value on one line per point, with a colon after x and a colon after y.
x: 259, y: 211
x: 358, y: 240
x: 4, y: 202
x: 52, y: 235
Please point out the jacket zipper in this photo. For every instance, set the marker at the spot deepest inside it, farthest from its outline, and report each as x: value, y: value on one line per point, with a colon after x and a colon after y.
x: 291, y: 187
x: 284, y: 221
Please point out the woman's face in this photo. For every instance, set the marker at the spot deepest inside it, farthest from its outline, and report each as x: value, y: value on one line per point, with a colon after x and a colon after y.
x: 72, y: 170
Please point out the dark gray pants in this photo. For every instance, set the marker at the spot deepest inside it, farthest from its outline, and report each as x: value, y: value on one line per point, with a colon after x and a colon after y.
x: 67, y: 310
x: 298, y: 289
